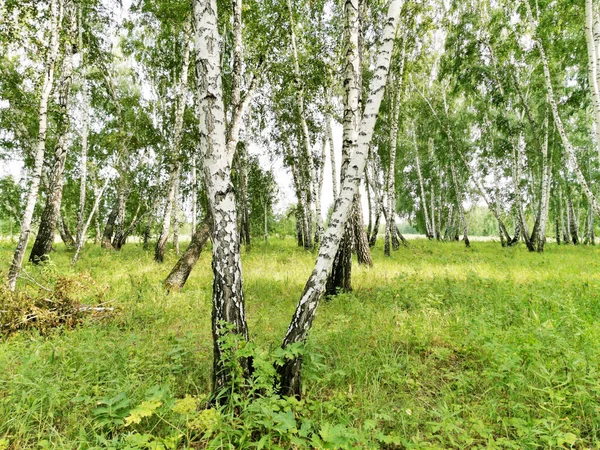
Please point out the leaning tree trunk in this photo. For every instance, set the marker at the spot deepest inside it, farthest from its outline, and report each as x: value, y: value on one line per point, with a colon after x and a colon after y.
x: 56, y: 13
x: 557, y: 120
x: 51, y: 213
x: 182, y: 269
x: 170, y: 208
x: 65, y: 233
x: 340, y: 277
x: 289, y: 371
x: 593, y: 70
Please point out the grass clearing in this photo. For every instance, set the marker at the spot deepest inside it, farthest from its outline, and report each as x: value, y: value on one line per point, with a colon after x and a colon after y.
x: 439, y: 346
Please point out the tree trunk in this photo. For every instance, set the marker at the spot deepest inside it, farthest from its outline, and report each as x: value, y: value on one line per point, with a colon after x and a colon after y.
x: 331, y: 156
x: 428, y: 228
x: 65, y: 233
x: 85, y: 123
x: 56, y: 13
x: 194, y: 196
x: 175, y: 219
x: 182, y: 269
x: 170, y: 208
x: 459, y: 204
x: 228, y: 312
x: 545, y: 198
x: 289, y: 371
x: 51, y: 213
x: 320, y: 172
x: 93, y: 213
x: 558, y: 121
x: 361, y: 240
x: 340, y: 277
x: 109, y: 228
x: 572, y: 221
x: 122, y: 196
x: 309, y: 176
x: 593, y: 71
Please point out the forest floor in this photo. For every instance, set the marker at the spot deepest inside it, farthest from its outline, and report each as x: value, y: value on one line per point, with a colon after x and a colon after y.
x: 437, y: 347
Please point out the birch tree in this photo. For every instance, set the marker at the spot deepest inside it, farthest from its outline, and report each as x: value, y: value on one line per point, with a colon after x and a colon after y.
x: 290, y: 370
x: 55, y: 23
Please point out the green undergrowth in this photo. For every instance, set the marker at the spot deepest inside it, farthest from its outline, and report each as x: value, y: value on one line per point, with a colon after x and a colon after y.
x: 437, y: 347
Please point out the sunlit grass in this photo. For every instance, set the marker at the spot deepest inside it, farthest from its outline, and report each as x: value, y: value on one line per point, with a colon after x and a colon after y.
x: 447, y: 346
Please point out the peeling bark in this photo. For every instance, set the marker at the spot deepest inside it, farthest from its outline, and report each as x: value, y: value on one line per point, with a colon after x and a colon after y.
x: 56, y: 13
x: 51, y: 213
x: 289, y: 371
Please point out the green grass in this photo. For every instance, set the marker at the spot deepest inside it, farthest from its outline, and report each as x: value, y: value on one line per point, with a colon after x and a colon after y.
x: 443, y: 346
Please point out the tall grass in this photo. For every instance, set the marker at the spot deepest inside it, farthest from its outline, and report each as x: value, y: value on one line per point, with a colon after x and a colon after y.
x: 443, y: 346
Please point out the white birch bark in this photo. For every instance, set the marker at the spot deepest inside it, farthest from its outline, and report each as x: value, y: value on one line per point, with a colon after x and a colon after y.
x: 81, y: 240
x: 170, y: 209
x: 56, y: 14
x: 391, y: 175
x: 51, y: 213
x: 194, y: 196
x: 318, y: 191
x: 332, y: 156
x: 310, y: 167
x: 428, y: 226
x: 593, y: 70
x: 558, y: 121
x: 340, y: 276
x: 228, y: 298
x: 315, y: 285
x: 85, y: 123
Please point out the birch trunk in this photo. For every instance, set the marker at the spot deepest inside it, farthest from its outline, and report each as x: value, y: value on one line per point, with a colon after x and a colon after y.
x: 85, y: 123
x: 428, y: 228
x: 391, y: 175
x: 340, y: 277
x: 557, y: 120
x: 56, y: 13
x: 194, y: 196
x: 65, y: 233
x: 184, y: 266
x: 175, y: 218
x: 319, y: 188
x: 122, y: 196
x: 545, y: 199
x: 310, y: 167
x: 228, y: 311
x: 361, y: 240
x: 51, y: 213
x: 593, y: 70
x: 81, y: 239
x: 459, y: 203
x: 332, y: 157
x: 302, y: 320
x: 170, y: 209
